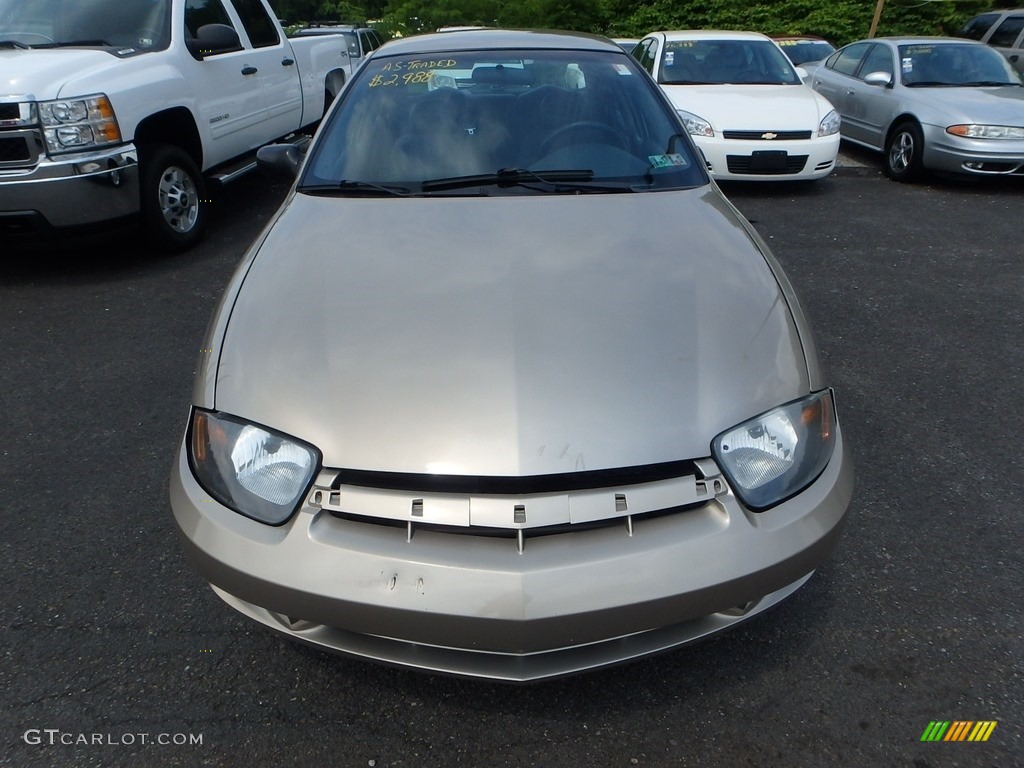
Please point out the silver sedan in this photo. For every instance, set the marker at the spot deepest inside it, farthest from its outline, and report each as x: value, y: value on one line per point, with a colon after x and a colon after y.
x: 941, y: 104
x: 507, y: 388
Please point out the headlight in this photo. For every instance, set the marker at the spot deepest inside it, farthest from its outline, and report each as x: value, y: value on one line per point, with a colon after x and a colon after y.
x: 781, y: 452
x: 830, y: 124
x: 987, y: 131
x: 696, y: 126
x: 256, y: 472
x: 71, y: 125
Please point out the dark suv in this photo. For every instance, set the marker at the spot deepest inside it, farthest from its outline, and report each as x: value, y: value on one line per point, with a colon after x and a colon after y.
x: 1003, y: 30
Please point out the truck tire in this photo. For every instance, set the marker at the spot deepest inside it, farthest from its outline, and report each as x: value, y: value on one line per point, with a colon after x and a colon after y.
x: 173, y: 197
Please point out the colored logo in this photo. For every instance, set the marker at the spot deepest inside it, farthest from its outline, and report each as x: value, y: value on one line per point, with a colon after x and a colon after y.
x: 958, y: 730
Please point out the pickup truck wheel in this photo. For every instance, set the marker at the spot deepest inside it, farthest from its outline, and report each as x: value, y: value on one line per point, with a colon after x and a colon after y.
x: 173, y: 208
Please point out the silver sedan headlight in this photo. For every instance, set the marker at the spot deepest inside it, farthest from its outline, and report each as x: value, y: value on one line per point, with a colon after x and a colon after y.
x: 776, y: 455
x: 256, y: 472
x: 695, y: 125
x: 1011, y: 132
x: 829, y: 124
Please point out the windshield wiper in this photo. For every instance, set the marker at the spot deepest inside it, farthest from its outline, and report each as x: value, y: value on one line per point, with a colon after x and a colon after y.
x: 14, y: 44
x: 930, y: 84
x: 984, y: 83
x: 345, y: 186
x: 75, y: 43
x: 569, y: 180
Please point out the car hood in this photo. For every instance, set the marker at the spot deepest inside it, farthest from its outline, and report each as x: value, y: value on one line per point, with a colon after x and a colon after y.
x: 752, y: 107
x: 45, y: 74
x: 998, y: 105
x: 508, y: 336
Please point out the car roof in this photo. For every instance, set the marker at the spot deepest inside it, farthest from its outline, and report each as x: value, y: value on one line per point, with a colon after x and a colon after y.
x: 711, y: 34
x: 921, y: 40
x: 496, y: 39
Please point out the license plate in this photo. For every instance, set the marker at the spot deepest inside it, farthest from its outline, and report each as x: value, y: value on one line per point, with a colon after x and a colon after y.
x: 768, y: 160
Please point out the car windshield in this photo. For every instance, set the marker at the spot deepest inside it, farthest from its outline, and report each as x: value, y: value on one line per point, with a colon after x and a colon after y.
x: 803, y: 51
x: 500, y: 122
x: 140, y: 24
x: 925, y: 65
x: 717, y: 62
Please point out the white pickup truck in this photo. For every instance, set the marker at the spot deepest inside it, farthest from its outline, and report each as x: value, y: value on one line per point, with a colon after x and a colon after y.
x: 114, y: 108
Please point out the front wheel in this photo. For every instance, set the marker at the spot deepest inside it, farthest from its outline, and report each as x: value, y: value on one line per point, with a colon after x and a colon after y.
x: 903, y: 153
x: 173, y: 205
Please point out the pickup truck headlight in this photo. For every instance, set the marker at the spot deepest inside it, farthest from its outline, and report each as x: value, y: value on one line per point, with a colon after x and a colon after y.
x: 71, y: 125
x: 256, y: 472
x: 779, y: 453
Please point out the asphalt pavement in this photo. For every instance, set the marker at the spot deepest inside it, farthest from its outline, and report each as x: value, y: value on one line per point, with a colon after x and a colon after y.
x: 117, y: 654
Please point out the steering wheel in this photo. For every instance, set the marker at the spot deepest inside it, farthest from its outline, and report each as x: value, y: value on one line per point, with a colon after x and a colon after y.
x: 748, y: 75
x: 607, y: 135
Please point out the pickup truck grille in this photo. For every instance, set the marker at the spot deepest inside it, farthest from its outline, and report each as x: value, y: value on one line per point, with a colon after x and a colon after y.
x: 17, y: 115
x: 14, y: 150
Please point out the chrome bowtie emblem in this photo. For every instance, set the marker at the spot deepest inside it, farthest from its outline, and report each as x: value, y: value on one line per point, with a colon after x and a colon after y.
x: 769, y: 135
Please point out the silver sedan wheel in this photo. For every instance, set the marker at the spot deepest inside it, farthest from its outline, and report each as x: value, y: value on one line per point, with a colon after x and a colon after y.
x: 901, y: 154
x: 179, y: 199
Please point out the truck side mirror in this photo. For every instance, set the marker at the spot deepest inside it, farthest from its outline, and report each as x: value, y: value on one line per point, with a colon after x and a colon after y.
x: 212, y: 39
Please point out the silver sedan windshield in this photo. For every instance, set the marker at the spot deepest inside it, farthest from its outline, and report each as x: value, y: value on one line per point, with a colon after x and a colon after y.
x: 951, y: 64
x: 501, y: 122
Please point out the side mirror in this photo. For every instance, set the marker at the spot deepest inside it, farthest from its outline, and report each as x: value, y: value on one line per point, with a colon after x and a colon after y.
x: 881, y: 79
x: 212, y: 39
x: 279, y: 161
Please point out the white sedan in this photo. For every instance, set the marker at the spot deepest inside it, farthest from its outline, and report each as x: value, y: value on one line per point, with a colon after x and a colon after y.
x: 744, y: 104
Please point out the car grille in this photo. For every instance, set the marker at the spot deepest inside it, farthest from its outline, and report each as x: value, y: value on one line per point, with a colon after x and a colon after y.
x: 14, y: 149
x: 743, y: 164
x: 519, y: 508
x: 10, y: 111
x: 767, y: 135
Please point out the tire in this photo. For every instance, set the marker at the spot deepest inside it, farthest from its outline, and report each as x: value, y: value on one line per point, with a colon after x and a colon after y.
x: 173, y: 197
x: 904, y: 151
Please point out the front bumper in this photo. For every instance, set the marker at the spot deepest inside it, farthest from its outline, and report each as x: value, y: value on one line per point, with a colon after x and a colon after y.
x: 735, y: 160
x: 70, y: 191
x: 978, y: 157
x: 474, y: 606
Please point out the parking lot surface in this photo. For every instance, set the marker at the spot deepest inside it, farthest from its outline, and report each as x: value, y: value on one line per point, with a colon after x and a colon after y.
x: 114, y: 645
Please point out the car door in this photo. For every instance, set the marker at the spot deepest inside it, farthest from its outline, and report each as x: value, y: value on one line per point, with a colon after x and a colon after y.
x: 229, y: 103
x: 272, y: 57
x: 872, y: 107
x: 836, y: 80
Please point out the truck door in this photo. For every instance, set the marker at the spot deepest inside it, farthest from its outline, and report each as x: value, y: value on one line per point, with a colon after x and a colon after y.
x: 278, y: 71
x: 229, y: 101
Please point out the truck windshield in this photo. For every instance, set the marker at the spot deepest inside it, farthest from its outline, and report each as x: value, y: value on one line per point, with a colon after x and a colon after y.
x: 136, y: 24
